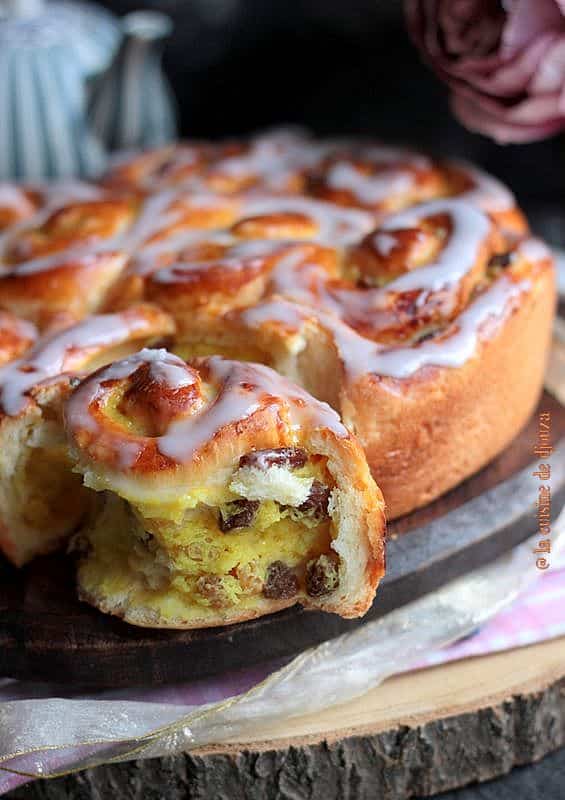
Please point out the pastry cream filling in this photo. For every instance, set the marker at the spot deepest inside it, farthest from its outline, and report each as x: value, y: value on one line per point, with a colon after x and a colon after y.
x: 45, y: 492
x: 193, y: 565
x: 240, y: 352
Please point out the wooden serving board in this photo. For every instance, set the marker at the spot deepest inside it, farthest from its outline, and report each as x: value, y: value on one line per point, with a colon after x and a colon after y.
x: 47, y: 634
x: 415, y: 735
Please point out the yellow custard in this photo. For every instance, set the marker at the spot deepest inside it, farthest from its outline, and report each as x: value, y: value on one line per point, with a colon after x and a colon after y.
x: 175, y: 560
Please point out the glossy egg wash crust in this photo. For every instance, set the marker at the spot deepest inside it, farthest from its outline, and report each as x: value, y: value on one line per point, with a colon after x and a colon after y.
x: 225, y: 493
x: 405, y: 291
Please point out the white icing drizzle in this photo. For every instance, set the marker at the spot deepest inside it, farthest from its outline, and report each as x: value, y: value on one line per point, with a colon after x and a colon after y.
x: 362, y: 356
x: 241, y: 391
x: 487, y: 192
x: 146, y: 261
x: 310, y: 284
x: 535, y: 250
x: 370, y: 189
x: 469, y: 229
x: 452, y: 350
x: 384, y: 243
x: 66, y: 258
x: 273, y: 157
x: 336, y: 225
x: 61, y: 193
x: 291, y: 315
x: 397, y: 172
x: 14, y: 197
x: 303, y: 280
x: 64, y: 351
x: 55, y: 196
x: 155, y: 215
x: 239, y: 257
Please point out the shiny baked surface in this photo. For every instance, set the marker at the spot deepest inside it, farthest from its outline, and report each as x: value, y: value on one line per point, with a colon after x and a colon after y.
x: 404, y: 290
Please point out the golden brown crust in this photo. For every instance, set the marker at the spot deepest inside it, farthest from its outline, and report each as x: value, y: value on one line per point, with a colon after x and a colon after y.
x: 165, y: 166
x: 274, y: 162
x: 380, y: 179
x: 70, y: 226
x: 427, y: 430
x: 456, y: 420
x: 16, y: 204
x: 61, y: 292
x: 197, y: 290
x: 59, y: 264
x: 78, y: 349
x: 16, y: 336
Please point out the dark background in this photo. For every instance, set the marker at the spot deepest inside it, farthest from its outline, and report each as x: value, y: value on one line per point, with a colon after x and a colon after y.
x: 337, y: 66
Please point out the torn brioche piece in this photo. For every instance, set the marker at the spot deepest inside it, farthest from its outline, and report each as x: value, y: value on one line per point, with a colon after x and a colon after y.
x: 41, y: 500
x: 226, y: 493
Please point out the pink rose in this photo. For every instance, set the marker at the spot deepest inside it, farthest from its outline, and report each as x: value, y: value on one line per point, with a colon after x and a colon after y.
x: 504, y: 61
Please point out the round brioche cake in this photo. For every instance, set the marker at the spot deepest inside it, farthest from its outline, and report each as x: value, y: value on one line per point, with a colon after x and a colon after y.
x: 404, y: 290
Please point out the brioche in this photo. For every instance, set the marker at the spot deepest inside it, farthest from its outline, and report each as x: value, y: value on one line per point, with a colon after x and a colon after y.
x: 226, y: 493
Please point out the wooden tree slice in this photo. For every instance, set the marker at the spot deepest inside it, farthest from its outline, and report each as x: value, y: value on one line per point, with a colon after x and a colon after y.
x: 416, y: 735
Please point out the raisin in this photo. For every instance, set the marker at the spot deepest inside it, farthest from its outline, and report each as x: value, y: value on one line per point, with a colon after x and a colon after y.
x: 426, y: 336
x: 293, y: 457
x: 316, y: 504
x: 501, y: 260
x: 322, y: 575
x: 240, y: 514
x: 166, y: 342
x: 281, y: 583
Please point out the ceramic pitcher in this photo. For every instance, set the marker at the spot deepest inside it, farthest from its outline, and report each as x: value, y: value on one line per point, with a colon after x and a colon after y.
x: 131, y: 105
x: 75, y: 82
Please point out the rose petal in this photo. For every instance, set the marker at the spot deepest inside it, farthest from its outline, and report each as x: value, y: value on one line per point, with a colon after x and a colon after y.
x: 477, y: 118
x: 515, y: 75
x: 550, y: 74
x: 527, y: 19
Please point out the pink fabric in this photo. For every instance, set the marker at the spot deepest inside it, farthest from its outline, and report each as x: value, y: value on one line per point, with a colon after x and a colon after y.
x: 536, y: 617
x: 504, y: 62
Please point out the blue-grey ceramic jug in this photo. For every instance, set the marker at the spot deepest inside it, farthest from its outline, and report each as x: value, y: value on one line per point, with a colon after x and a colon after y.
x: 75, y: 82
x: 47, y: 52
x: 131, y: 105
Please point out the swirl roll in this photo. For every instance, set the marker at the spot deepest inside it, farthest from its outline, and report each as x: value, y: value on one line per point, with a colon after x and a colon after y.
x: 59, y: 264
x: 227, y: 493
x: 41, y: 500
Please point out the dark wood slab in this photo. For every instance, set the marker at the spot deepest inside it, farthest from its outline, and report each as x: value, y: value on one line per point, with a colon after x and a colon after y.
x: 47, y: 634
x: 415, y: 735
